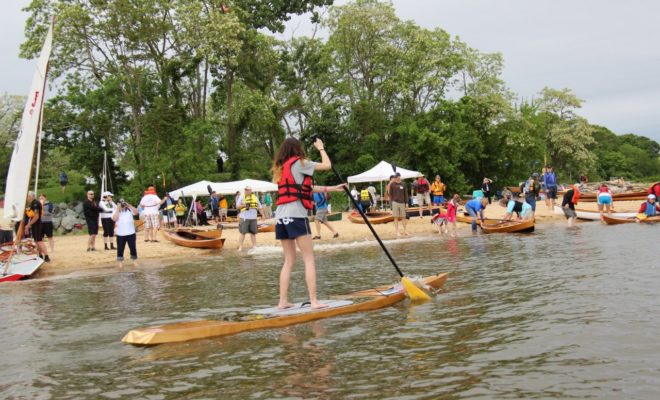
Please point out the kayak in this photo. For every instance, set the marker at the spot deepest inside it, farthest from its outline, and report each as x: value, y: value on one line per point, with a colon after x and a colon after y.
x: 509, y: 226
x: 376, y: 217
x: 616, y: 221
x: 590, y: 215
x: 364, y: 300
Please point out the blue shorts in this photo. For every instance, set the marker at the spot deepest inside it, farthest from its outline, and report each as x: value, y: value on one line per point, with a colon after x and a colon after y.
x: 438, y: 199
x: 604, y: 199
x: 291, y: 228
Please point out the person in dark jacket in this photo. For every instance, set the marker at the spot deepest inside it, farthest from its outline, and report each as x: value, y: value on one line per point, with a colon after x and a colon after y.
x: 487, y: 188
x: 91, y: 210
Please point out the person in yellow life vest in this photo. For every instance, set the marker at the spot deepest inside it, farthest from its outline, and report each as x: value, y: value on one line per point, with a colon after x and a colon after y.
x: 438, y: 190
x: 365, y: 200
x: 33, y: 226
x: 248, y: 204
x: 223, y: 204
x: 180, y: 211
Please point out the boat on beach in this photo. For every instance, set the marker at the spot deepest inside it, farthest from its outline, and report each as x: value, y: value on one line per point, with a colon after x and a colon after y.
x: 190, y: 239
x: 364, y: 300
x: 264, y: 228
x: 626, y: 196
x: 200, y: 233
x: 508, y: 226
x: 591, y: 215
x: 609, y: 220
x: 375, y: 217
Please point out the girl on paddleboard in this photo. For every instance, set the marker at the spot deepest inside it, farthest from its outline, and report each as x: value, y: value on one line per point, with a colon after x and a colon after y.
x: 293, y: 174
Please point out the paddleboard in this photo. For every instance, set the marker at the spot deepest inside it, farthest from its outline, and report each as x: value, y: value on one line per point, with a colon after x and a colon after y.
x: 269, y: 318
x: 301, y: 308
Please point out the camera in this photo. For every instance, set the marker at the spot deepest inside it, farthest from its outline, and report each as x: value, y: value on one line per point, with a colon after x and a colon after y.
x: 122, y: 203
x: 313, y: 138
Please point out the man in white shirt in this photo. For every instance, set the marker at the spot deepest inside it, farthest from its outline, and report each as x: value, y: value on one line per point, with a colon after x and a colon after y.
x: 248, y: 203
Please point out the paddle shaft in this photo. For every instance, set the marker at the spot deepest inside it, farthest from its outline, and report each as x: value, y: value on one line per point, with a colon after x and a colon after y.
x: 366, y: 221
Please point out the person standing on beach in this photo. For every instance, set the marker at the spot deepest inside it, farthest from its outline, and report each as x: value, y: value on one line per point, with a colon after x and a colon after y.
x: 293, y: 174
x: 33, y: 225
x: 321, y: 203
x: 532, y: 188
x: 423, y: 194
x: 605, y: 200
x: 398, y: 198
x: 47, y: 220
x: 150, y: 202
x: 487, y: 189
x: 64, y: 180
x: 267, y: 208
x: 550, y: 180
x: 91, y: 211
x: 438, y: 190
x: 214, y: 203
x: 569, y: 202
x: 107, y: 209
x: 248, y: 204
x: 452, y: 208
x: 123, y: 216
x: 223, y: 206
x: 180, y: 211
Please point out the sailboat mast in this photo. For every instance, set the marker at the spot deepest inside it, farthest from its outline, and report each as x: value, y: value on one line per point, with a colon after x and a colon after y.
x: 40, y: 132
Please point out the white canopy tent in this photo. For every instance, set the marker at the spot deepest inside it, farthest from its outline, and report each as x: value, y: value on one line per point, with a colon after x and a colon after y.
x: 201, y: 188
x: 382, y: 172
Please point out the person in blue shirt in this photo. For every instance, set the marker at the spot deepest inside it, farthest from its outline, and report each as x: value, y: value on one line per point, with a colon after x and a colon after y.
x: 475, y: 208
x: 550, y: 181
x: 321, y: 204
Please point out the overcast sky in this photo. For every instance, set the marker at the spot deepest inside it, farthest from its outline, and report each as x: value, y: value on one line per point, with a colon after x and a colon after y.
x: 606, y: 51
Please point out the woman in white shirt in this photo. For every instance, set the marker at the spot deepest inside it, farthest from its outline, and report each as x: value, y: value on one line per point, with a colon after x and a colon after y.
x: 107, y: 209
x: 125, y: 231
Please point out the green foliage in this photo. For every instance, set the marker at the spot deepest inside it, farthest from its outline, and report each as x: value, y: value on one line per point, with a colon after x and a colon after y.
x: 165, y: 86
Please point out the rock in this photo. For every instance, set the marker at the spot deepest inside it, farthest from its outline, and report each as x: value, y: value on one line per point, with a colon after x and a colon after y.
x: 57, y: 221
x: 68, y: 222
x: 61, y: 231
x: 71, y: 213
x: 63, y: 206
x: 78, y: 208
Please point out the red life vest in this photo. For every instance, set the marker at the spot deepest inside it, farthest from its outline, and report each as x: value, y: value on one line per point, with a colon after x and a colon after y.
x: 289, y: 191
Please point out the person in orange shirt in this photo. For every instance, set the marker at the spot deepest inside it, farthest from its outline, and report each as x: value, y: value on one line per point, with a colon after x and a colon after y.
x: 438, y: 190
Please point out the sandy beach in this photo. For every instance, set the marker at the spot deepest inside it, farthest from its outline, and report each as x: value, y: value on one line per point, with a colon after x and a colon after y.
x: 70, y: 255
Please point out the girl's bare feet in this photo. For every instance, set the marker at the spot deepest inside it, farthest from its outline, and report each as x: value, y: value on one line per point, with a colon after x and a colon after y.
x: 283, y: 306
x: 317, y: 306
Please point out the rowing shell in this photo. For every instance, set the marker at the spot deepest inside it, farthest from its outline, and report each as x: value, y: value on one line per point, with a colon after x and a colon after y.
x: 364, y: 300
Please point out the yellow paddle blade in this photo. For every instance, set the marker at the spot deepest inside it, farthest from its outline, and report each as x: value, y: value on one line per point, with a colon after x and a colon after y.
x: 641, y: 216
x: 415, y: 293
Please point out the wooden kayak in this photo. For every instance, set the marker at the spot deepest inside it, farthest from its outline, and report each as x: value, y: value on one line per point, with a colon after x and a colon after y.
x: 263, y: 228
x: 591, y: 215
x: 199, y: 233
x: 509, y: 226
x: 412, y: 212
x: 373, y: 217
x: 193, y: 241
x: 363, y: 300
x: 616, y: 220
x: 463, y: 217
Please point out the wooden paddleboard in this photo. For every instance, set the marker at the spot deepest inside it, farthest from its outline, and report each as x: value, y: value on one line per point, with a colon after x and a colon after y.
x: 300, y: 308
x: 364, y: 300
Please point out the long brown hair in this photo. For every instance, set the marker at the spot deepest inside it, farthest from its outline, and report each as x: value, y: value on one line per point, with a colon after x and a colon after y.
x: 291, y: 147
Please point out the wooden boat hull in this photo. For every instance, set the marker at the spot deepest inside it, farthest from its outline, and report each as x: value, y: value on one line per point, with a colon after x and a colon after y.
x: 412, y: 212
x: 509, y: 226
x: 364, y: 300
x: 200, y: 233
x: 215, y: 243
x: 465, y: 218
x: 374, y: 218
x: 590, y: 215
x: 617, y: 221
x: 263, y: 228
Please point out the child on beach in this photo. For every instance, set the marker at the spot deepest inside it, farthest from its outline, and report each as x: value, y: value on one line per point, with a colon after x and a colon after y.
x: 452, y: 206
x: 440, y: 221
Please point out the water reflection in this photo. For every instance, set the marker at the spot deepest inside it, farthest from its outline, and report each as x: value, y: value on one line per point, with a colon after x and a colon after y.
x: 558, y: 313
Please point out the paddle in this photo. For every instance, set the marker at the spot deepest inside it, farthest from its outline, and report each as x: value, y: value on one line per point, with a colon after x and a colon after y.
x: 413, y: 291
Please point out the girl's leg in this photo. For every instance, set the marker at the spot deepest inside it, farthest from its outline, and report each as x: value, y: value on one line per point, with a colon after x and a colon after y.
x: 327, y: 224
x: 306, y: 247
x: 317, y: 225
x: 289, y: 247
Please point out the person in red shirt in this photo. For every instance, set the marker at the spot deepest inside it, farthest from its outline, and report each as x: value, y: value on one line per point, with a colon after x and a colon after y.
x: 649, y: 208
x: 423, y: 190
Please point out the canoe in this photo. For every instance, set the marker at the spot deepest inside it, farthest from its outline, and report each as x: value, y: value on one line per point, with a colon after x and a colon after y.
x: 616, y: 220
x: 373, y: 217
x: 412, y: 212
x: 22, y: 266
x: 509, y: 226
x: 363, y: 300
x: 193, y: 241
x: 626, y: 196
x: 198, y: 233
x: 590, y: 215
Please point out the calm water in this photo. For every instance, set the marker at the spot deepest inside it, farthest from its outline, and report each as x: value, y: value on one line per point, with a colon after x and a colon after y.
x: 555, y: 314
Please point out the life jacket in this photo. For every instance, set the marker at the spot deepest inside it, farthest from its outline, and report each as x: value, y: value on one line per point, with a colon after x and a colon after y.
x: 180, y: 209
x: 289, y: 191
x: 655, y: 189
x: 438, y: 188
x: 422, y: 186
x: 364, y: 195
x: 650, y: 210
x: 517, y: 207
x: 576, y: 194
x: 250, y: 202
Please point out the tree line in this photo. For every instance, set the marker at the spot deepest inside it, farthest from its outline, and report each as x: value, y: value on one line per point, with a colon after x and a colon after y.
x: 165, y: 86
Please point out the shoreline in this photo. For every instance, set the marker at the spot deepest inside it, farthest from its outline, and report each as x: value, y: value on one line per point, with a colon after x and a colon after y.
x: 70, y: 259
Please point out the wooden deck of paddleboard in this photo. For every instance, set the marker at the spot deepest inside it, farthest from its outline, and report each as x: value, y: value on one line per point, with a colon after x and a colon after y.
x: 365, y: 300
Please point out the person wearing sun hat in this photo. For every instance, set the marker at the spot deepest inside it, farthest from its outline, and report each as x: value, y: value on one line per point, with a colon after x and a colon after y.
x: 107, y: 209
